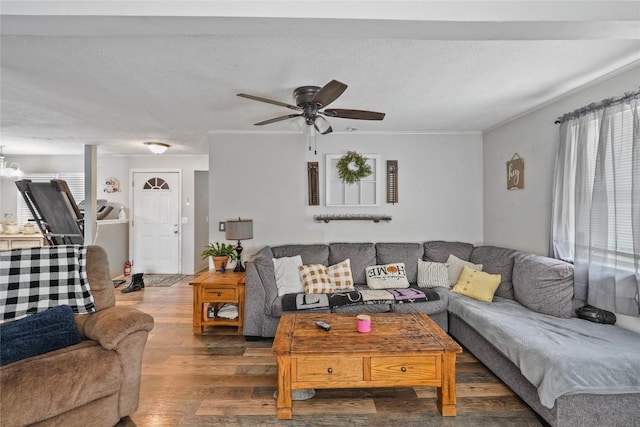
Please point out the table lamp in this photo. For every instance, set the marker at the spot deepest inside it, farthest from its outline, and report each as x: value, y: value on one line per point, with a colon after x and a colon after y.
x: 239, y: 229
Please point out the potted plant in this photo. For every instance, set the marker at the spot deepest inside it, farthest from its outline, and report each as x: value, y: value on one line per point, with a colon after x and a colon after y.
x: 220, y: 253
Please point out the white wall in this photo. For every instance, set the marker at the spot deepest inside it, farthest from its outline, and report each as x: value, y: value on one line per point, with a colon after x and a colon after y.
x: 118, y: 166
x: 520, y: 219
x: 264, y: 177
x: 201, y: 218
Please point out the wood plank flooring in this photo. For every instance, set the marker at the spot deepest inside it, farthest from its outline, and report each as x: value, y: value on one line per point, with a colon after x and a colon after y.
x: 219, y: 379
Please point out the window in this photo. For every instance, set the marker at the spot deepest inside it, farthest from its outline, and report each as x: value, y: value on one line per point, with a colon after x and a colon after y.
x: 613, y: 237
x: 363, y: 193
x: 74, y: 180
x: 596, y: 216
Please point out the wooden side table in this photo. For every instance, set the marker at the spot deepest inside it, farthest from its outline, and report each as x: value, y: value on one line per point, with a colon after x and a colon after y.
x: 217, y: 288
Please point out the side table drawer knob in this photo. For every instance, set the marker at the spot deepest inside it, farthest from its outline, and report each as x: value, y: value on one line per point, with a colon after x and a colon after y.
x: 219, y: 294
x: 330, y: 370
x: 403, y: 369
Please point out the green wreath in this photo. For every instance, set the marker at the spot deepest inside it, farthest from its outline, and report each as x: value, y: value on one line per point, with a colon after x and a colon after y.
x: 352, y: 167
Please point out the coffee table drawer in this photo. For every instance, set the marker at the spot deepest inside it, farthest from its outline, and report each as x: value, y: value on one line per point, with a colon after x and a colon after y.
x: 330, y: 369
x: 219, y: 294
x: 409, y: 369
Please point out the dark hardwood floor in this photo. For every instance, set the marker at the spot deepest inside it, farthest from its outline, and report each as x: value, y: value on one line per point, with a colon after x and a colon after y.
x: 219, y: 379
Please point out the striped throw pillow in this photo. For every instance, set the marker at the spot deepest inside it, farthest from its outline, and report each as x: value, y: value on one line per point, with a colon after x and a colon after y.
x: 432, y: 274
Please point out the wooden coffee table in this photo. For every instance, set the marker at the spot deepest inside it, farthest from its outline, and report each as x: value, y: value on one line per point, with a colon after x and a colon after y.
x: 402, y: 350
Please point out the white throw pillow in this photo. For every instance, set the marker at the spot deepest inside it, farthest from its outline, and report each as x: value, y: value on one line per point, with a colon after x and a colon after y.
x: 287, y: 275
x: 432, y: 274
x: 389, y: 276
x: 455, y: 264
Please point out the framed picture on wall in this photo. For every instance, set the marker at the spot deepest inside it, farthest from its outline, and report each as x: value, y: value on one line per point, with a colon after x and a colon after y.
x: 365, y: 192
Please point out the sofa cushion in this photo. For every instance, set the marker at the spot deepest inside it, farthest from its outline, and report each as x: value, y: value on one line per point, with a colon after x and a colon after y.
x: 559, y: 357
x: 432, y: 274
x: 389, y: 276
x: 360, y: 255
x: 428, y: 307
x: 315, y: 279
x: 477, y: 284
x: 439, y: 251
x: 455, y: 266
x: 263, y: 261
x: 543, y: 284
x: 311, y: 254
x: 287, y: 274
x: 497, y: 260
x: 407, y: 253
x: 40, y: 333
x: 56, y: 382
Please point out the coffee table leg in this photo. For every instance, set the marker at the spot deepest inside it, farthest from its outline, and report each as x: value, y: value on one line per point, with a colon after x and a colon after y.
x: 284, y: 388
x: 447, y: 393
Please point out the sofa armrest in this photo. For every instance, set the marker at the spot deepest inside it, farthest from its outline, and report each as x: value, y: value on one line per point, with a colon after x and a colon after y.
x: 254, y: 302
x: 112, y: 325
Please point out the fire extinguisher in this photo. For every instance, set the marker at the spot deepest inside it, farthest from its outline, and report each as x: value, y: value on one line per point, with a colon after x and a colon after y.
x: 127, y: 269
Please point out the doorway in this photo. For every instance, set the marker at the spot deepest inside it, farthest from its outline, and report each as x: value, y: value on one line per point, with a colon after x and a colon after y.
x: 156, y: 231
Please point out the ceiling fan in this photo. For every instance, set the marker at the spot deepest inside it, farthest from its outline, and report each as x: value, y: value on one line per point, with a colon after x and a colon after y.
x: 311, y: 103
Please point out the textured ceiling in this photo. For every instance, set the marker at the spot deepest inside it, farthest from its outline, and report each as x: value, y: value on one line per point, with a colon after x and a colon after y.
x: 115, y: 80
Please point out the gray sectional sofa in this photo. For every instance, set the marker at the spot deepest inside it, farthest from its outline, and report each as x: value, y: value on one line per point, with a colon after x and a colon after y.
x: 570, y: 371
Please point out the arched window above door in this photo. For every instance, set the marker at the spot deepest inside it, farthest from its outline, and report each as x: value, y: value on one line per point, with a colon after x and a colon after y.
x: 156, y: 184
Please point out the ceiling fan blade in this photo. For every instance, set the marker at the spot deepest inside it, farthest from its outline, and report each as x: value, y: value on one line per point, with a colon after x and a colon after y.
x: 354, y: 114
x: 325, y: 126
x: 277, y: 119
x: 269, y: 101
x: 329, y: 93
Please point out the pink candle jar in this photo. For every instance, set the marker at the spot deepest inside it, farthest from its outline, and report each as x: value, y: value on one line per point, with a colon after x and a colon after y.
x: 363, y: 323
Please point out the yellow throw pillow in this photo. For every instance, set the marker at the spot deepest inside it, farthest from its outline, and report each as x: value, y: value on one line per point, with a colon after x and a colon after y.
x: 477, y: 284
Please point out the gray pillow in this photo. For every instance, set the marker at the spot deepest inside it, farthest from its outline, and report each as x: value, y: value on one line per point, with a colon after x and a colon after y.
x: 496, y: 260
x: 311, y: 254
x: 360, y: 255
x: 407, y: 253
x: 439, y: 251
x: 543, y: 284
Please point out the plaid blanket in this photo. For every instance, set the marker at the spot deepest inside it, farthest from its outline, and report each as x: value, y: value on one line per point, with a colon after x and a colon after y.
x: 302, y: 301
x: 35, y: 279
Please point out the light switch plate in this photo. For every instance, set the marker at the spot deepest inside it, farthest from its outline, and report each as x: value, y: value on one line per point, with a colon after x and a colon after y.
x: 222, y: 226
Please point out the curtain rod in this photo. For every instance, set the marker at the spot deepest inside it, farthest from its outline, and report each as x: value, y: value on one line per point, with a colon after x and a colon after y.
x: 628, y: 97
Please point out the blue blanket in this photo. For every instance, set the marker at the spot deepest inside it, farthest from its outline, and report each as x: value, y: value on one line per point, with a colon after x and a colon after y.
x: 558, y: 356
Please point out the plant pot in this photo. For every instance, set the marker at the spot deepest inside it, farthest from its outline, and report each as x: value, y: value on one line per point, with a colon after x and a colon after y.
x: 219, y: 260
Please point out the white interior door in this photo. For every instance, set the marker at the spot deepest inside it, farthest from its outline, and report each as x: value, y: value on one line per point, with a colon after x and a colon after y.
x: 156, y: 222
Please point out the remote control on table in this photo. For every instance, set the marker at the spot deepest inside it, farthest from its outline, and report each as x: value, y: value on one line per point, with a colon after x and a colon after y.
x: 323, y: 325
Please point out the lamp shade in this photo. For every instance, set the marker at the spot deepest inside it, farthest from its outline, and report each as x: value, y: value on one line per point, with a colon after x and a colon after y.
x: 239, y: 229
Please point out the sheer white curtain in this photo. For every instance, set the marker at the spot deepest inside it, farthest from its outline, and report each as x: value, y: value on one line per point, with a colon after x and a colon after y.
x: 596, y: 203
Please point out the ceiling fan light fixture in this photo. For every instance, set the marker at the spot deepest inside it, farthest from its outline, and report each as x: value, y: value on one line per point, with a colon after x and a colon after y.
x: 157, y: 147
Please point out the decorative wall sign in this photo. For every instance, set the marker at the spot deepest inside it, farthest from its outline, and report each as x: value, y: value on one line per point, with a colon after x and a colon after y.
x: 392, y: 181
x: 365, y: 192
x: 515, y: 173
x: 111, y: 185
x: 313, y: 184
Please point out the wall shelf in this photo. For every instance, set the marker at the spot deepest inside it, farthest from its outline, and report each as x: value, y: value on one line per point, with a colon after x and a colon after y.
x: 352, y: 217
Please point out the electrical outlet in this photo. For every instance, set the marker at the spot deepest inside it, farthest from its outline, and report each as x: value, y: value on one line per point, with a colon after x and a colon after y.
x: 222, y: 226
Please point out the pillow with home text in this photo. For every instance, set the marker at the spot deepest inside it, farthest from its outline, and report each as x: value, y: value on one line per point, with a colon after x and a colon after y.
x: 388, y: 276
